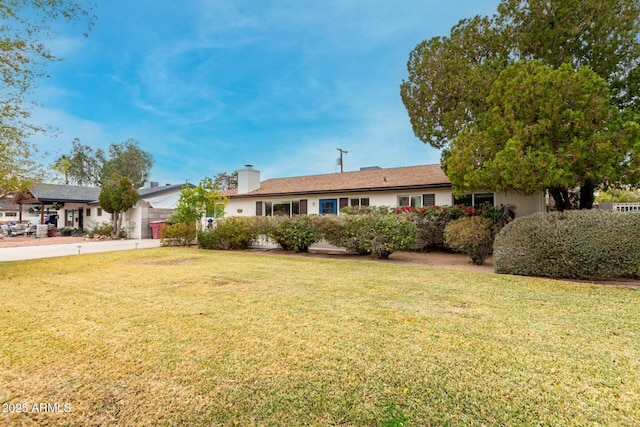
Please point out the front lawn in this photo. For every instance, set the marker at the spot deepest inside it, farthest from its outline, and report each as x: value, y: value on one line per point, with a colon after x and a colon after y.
x: 187, y: 337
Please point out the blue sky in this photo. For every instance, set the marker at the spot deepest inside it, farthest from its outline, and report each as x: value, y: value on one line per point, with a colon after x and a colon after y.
x: 208, y: 86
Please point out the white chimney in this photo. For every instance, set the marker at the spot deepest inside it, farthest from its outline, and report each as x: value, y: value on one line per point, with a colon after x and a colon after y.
x: 248, y: 179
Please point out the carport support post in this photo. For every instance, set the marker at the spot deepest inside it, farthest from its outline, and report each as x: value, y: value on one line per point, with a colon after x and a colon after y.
x: 41, y: 212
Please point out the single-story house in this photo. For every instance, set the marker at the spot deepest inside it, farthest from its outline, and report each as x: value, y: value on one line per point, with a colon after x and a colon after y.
x: 417, y: 186
x: 78, y: 206
x: 10, y: 212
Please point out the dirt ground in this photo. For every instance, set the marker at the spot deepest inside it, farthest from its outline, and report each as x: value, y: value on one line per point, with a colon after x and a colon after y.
x: 445, y: 260
x: 19, y: 241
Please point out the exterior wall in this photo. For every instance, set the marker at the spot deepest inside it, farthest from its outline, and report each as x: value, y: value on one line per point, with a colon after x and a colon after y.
x: 132, y: 221
x: 89, y: 222
x: 136, y: 221
x: 525, y: 205
x: 247, y: 207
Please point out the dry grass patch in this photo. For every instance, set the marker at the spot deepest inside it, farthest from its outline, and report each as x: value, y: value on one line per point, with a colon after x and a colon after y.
x: 187, y: 337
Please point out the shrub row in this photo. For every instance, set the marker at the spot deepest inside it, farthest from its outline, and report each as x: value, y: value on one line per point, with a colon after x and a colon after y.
x: 230, y: 233
x: 376, y: 233
x: 587, y: 244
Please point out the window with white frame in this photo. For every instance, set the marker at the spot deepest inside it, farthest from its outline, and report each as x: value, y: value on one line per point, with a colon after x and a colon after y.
x: 475, y: 200
x: 285, y: 208
x: 70, y: 213
x: 359, y: 201
x: 413, y: 201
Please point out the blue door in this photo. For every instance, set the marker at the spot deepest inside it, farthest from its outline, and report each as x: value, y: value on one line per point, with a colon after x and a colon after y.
x: 328, y: 206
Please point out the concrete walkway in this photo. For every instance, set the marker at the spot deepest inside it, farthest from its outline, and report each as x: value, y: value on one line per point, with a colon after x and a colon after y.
x: 79, y: 248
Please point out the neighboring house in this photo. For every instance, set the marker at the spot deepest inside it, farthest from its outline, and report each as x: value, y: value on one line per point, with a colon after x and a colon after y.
x: 417, y: 186
x: 155, y: 204
x: 79, y: 206
x: 9, y: 211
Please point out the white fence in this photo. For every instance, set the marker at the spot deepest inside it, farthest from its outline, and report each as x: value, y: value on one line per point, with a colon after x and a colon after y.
x: 620, y: 207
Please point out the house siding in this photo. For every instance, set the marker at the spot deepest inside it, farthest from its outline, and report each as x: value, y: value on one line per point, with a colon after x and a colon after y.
x: 525, y: 205
x: 247, y: 206
x: 89, y: 222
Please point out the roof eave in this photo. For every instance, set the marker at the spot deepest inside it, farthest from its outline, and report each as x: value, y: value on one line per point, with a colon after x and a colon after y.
x: 353, y: 190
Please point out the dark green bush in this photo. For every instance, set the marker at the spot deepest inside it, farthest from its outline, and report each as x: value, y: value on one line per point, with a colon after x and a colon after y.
x: 295, y: 233
x: 179, y: 234
x: 381, y: 235
x: 344, y: 231
x: 588, y: 244
x: 229, y: 233
x: 472, y: 235
x: 370, y: 231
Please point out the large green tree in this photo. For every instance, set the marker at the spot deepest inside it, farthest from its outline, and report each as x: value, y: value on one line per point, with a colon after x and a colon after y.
x: 25, y: 29
x: 85, y: 164
x: 451, y: 78
x: 226, y: 181
x: 118, y: 195
x: 94, y: 167
x: 128, y: 159
x: 544, y: 128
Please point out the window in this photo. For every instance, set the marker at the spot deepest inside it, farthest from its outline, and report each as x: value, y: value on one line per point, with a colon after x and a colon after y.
x: 359, y: 201
x: 428, y: 199
x: 11, y: 214
x: 475, y: 200
x: 287, y: 208
x: 87, y: 212
x: 69, y: 218
x: 413, y: 201
x: 99, y: 212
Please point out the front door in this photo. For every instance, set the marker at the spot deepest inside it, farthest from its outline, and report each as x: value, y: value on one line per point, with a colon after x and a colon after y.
x: 328, y: 206
x: 81, y: 218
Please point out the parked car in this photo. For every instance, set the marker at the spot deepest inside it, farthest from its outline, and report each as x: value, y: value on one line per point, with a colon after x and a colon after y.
x: 51, y: 219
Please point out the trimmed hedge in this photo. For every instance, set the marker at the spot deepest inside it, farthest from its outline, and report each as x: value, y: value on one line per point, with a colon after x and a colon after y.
x: 587, y: 244
x: 378, y: 233
x: 295, y: 233
x: 230, y: 234
x: 179, y: 234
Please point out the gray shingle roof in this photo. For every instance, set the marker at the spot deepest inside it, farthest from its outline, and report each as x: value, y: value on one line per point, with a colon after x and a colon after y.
x: 49, y: 193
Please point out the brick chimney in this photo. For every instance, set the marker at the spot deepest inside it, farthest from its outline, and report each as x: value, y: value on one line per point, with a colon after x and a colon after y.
x: 248, y: 179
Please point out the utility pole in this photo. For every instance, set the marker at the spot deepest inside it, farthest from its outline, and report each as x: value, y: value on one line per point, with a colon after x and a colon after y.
x: 340, y: 159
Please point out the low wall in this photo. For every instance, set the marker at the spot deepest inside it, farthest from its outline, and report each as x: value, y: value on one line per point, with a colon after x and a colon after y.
x: 620, y: 207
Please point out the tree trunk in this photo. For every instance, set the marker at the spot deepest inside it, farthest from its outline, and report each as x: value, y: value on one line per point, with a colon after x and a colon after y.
x: 116, y: 225
x: 586, y: 194
x: 561, y: 198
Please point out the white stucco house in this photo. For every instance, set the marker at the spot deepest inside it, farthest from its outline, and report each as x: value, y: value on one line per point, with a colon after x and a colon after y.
x: 78, y: 206
x: 417, y: 186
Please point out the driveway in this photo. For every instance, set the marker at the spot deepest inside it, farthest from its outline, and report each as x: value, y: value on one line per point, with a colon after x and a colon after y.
x: 77, y: 248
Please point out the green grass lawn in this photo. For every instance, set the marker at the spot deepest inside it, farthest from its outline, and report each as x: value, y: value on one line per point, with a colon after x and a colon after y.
x: 187, y: 337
